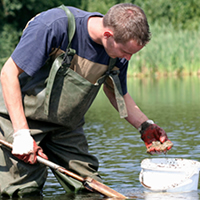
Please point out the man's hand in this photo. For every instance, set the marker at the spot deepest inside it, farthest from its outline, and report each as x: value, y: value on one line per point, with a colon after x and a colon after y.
x: 25, y: 147
x: 155, y: 138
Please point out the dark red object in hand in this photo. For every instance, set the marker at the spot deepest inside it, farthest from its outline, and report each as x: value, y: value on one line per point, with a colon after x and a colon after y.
x: 152, y: 133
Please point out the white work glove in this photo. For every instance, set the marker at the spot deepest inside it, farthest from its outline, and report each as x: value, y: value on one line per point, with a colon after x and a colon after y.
x: 23, y: 142
x: 25, y: 147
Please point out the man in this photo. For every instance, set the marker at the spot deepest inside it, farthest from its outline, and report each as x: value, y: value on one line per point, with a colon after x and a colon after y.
x: 122, y: 32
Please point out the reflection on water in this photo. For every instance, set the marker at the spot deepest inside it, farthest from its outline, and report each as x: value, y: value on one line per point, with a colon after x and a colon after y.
x: 171, y: 196
x: 174, y: 104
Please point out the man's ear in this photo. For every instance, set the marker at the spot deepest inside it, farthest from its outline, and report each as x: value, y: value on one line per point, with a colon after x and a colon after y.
x: 107, y: 34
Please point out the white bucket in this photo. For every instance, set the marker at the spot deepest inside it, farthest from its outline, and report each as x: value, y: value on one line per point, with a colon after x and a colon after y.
x: 169, y: 174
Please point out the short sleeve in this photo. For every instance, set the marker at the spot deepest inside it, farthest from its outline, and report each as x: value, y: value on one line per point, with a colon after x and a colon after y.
x: 37, y: 42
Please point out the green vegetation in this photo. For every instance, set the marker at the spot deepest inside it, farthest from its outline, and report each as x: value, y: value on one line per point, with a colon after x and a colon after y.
x: 170, y: 52
x: 174, y: 25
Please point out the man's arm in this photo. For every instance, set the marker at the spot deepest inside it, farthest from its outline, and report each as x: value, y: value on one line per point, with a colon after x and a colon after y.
x: 12, y: 94
x: 154, y: 137
x: 24, y: 146
x: 135, y: 116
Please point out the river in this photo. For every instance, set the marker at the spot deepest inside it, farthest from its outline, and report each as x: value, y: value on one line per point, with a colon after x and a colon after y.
x: 173, y: 103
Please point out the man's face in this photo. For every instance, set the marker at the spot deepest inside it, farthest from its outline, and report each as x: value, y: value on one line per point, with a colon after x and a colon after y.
x: 121, y: 50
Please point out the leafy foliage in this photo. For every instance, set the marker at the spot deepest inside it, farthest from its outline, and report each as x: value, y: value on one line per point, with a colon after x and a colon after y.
x: 20, y: 11
x: 182, y: 14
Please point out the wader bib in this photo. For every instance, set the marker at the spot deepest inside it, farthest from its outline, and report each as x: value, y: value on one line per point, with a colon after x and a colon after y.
x: 58, y: 101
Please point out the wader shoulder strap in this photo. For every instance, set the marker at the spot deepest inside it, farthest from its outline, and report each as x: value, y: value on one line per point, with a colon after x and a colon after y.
x: 71, y: 24
x: 113, y: 75
x: 66, y: 60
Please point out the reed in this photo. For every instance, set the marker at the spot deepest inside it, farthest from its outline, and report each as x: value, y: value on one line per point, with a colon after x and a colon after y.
x: 170, y: 52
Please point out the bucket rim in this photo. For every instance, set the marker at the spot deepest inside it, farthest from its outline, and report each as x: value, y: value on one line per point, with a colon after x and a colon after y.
x: 159, y: 164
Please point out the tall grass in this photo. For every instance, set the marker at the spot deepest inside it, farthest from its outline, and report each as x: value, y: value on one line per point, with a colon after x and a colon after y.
x: 170, y: 52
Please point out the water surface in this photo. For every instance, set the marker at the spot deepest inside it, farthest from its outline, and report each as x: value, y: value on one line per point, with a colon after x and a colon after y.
x: 173, y: 103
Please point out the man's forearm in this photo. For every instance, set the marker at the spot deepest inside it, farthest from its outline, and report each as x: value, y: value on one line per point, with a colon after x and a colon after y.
x: 12, y: 95
x: 135, y: 116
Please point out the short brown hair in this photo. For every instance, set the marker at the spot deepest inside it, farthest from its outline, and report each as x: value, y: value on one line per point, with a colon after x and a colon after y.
x: 128, y: 22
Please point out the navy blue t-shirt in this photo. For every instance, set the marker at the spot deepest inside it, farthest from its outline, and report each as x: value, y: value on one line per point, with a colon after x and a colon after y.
x: 49, y: 30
